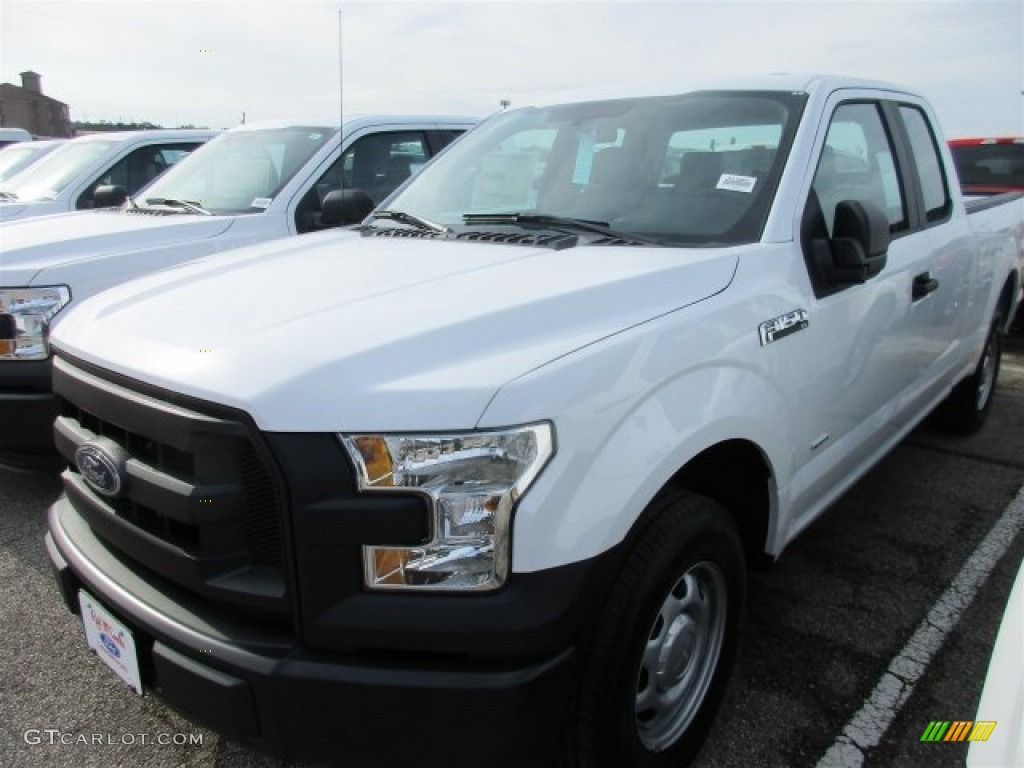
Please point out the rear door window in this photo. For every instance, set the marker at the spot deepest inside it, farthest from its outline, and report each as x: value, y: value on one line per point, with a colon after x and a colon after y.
x: 930, y: 172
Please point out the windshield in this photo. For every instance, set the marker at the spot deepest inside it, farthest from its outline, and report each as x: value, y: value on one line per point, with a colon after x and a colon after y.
x: 239, y: 171
x: 695, y: 168
x: 48, y: 178
x: 18, y: 156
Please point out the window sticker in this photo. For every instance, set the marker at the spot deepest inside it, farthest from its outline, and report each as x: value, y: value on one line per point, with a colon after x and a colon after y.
x: 261, y: 202
x: 735, y: 183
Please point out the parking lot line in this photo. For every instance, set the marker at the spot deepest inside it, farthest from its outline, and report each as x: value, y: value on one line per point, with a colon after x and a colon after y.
x: 866, y: 728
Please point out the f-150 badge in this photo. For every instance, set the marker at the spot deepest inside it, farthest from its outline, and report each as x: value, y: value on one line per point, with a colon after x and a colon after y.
x: 782, y: 326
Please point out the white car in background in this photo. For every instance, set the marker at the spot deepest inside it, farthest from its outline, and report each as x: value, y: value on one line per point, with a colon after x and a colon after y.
x: 67, y: 179
x: 15, y: 158
x: 1002, y: 698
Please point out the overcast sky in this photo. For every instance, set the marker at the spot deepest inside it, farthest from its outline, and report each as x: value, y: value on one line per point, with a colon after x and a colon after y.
x: 205, y: 62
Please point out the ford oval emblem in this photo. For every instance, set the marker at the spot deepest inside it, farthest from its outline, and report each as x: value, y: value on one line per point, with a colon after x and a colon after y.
x: 110, y: 645
x: 101, y: 463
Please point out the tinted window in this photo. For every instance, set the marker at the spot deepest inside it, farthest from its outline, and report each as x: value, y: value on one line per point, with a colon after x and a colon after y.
x: 929, y: 164
x: 990, y: 165
x: 377, y: 164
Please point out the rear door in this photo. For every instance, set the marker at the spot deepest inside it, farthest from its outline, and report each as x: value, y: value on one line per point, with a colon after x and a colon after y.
x: 943, y: 317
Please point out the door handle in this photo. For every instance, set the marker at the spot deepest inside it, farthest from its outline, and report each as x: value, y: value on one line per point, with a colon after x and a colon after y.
x: 923, y: 285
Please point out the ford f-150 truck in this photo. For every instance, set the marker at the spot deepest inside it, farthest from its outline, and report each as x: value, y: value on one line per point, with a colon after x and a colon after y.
x: 68, y: 178
x: 256, y: 182
x: 481, y: 485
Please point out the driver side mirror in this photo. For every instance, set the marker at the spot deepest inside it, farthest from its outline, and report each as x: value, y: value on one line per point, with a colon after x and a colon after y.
x: 342, y: 207
x: 855, y: 253
x: 860, y: 240
x: 109, y: 196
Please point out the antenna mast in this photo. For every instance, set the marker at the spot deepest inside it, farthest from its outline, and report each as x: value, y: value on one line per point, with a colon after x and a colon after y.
x: 341, y: 105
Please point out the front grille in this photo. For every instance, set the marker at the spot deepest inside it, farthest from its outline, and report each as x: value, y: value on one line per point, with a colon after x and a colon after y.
x: 198, y: 506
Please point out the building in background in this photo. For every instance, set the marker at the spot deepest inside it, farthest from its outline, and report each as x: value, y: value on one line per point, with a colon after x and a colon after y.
x: 27, y: 107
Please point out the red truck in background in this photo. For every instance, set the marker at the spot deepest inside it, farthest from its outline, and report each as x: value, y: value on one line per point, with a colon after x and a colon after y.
x: 989, y: 166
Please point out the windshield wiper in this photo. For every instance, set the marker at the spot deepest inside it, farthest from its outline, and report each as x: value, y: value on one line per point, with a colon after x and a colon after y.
x: 554, y: 222
x: 174, y: 202
x: 412, y: 220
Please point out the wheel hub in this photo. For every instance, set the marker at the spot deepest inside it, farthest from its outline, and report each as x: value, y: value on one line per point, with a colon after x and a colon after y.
x: 676, y: 652
x: 681, y: 655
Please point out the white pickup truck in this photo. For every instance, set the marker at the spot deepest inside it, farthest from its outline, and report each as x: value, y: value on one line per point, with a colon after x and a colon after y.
x: 489, y: 475
x: 67, y: 179
x: 256, y: 182
x: 15, y: 158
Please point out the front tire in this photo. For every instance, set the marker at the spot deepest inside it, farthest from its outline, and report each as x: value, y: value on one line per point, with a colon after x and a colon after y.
x: 967, y: 406
x: 657, y: 663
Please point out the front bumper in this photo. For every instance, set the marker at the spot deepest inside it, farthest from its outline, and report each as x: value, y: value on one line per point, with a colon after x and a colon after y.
x: 257, y: 684
x: 27, y: 411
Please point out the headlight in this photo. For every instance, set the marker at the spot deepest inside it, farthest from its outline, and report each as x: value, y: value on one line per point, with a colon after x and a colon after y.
x: 25, y: 315
x: 473, y: 480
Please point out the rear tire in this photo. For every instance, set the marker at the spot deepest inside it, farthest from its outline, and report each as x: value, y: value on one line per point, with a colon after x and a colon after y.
x: 657, y: 663
x: 967, y: 406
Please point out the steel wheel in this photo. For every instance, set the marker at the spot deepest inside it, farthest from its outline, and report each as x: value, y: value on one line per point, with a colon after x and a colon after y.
x: 681, y: 656
x: 987, y: 370
x: 967, y: 406
x: 657, y: 659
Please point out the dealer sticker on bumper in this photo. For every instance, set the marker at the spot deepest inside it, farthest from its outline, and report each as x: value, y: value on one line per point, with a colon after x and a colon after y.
x: 112, y: 641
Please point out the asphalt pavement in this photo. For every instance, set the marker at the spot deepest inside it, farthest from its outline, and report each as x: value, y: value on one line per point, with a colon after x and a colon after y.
x: 823, y: 626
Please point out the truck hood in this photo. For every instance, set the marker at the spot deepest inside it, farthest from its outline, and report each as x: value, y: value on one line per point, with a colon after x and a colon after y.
x: 30, y: 247
x: 327, y: 332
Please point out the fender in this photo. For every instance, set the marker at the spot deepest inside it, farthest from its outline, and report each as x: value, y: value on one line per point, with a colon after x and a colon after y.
x: 635, y: 418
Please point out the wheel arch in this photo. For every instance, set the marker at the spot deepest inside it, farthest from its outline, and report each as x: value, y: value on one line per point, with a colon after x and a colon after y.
x: 737, y: 474
x: 1007, y: 303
